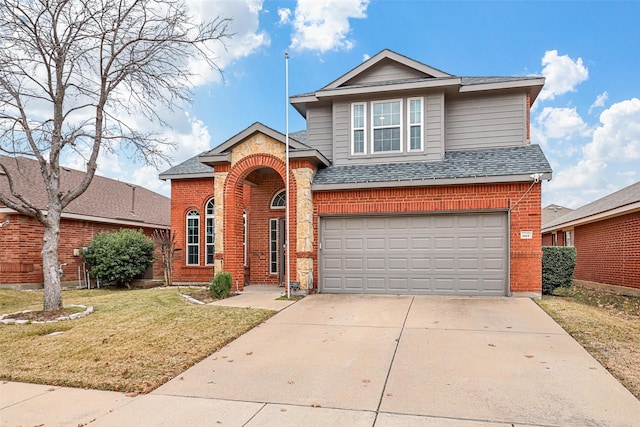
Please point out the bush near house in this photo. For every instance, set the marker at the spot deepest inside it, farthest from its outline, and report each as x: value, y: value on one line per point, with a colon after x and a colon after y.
x: 558, y: 264
x: 119, y: 257
x: 221, y: 285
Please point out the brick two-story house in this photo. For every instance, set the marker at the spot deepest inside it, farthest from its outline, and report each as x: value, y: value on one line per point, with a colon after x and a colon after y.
x: 407, y: 180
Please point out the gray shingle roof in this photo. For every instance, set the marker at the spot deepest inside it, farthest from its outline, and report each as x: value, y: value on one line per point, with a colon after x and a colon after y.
x: 189, y: 166
x: 456, y: 164
x: 105, y: 198
x: 620, y: 198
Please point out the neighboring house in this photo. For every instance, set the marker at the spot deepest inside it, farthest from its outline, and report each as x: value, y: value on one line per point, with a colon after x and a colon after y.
x: 606, y: 235
x: 407, y: 180
x: 551, y: 213
x: 107, y: 205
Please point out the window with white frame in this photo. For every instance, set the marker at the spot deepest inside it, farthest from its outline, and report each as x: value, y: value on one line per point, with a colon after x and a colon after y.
x: 568, y: 238
x: 274, y: 251
x: 193, y: 237
x: 210, y: 232
x: 279, y: 201
x: 415, y: 124
x: 386, y: 118
x: 244, y: 237
x: 358, y: 126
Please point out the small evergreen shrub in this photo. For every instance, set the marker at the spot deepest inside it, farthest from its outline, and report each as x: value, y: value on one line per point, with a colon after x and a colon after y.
x: 220, y: 286
x: 558, y: 264
x: 120, y: 256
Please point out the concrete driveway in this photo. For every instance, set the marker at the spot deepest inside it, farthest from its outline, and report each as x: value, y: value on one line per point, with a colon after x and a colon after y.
x: 358, y: 360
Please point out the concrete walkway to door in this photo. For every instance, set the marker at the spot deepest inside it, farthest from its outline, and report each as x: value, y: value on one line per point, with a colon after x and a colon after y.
x: 355, y: 360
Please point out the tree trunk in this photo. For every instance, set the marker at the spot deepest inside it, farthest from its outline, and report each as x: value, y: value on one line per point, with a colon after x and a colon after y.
x: 50, y: 265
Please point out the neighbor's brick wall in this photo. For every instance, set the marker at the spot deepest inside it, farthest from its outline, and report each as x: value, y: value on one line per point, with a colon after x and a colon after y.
x: 609, y: 251
x: 187, y: 194
x: 526, y: 255
x: 21, y: 243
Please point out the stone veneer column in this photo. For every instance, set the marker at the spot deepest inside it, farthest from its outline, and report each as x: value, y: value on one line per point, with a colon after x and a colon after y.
x: 218, y: 194
x: 304, y: 225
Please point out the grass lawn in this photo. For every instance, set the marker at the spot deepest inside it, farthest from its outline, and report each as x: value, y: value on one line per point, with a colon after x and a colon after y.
x: 605, y: 324
x: 135, y: 340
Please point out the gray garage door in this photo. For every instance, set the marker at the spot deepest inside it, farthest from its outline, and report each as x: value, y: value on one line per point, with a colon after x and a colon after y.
x: 462, y: 254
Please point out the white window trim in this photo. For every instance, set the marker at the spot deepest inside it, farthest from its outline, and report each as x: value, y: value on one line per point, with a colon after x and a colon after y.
x: 273, y: 199
x: 197, y: 245
x: 245, y: 226
x: 273, y: 221
x: 409, y: 124
x: 400, y: 125
x: 364, y: 128
x: 207, y: 217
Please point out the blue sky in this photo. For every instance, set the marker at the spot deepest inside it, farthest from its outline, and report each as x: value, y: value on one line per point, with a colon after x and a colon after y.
x: 587, y: 119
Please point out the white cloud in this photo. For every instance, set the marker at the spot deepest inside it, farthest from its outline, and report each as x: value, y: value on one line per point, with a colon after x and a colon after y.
x: 560, y: 122
x: 599, y: 102
x: 618, y: 136
x: 562, y: 74
x: 323, y: 25
x: 365, y: 57
x: 285, y: 15
x: 245, y: 27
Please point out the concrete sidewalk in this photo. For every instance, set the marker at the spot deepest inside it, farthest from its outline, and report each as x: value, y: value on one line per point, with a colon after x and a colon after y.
x: 358, y: 360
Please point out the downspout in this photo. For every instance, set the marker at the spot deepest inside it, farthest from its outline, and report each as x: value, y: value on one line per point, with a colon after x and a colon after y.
x: 509, y: 249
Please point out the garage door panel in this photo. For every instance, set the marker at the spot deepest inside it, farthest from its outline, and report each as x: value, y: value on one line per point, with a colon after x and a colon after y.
x: 459, y: 254
x: 332, y: 263
x: 354, y: 264
x: 418, y: 243
x: 398, y: 264
x: 398, y: 243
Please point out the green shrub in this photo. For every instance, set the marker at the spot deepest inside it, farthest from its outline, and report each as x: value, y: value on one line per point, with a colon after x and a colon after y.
x: 220, y: 286
x: 119, y: 257
x: 558, y: 264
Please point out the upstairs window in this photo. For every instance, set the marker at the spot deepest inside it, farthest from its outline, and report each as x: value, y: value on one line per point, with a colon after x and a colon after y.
x: 415, y: 124
x: 210, y: 236
x: 193, y: 237
x: 386, y: 119
x: 358, y: 124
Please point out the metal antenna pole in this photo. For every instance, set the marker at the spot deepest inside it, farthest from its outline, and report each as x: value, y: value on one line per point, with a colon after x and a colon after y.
x: 286, y: 143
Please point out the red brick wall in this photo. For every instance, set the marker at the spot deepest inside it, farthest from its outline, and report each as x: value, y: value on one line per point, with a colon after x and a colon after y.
x: 547, y: 239
x: 189, y: 194
x: 609, y: 251
x: 21, y: 243
x: 260, y: 212
x: 526, y: 274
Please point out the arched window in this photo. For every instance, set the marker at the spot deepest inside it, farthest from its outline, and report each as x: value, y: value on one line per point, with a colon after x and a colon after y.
x: 193, y: 237
x: 210, y: 230
x: 279, y: 201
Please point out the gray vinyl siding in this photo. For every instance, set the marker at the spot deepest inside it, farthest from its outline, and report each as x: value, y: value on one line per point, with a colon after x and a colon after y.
x: 433, y: 124
x: 341, y: 139
x: 473, y: 121
x: 386, y: 72
x: 320, y: 130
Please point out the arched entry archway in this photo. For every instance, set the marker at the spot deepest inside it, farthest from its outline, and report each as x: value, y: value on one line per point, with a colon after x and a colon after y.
x: 250, y: 186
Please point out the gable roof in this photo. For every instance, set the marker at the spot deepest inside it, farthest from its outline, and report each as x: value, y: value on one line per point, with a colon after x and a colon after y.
x: 553, y: 212
x: 386, y: 54
x: 416, y: 76
x: 202, y: 165
x: 624, y: 201
x: 513, y: 164
x: 105, y: 200
x: 190, y: 168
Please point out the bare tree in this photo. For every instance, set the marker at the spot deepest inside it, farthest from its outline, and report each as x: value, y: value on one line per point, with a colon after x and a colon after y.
x: 166, y: 241
x: 72, y: 73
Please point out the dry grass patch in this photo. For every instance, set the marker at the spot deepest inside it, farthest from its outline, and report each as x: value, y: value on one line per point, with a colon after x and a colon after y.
x: 134, y: 341
x: 605, y: 324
